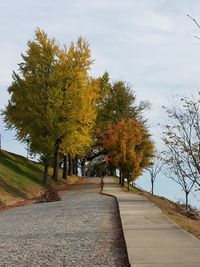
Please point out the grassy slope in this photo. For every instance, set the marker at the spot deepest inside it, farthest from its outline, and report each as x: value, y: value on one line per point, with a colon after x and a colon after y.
x: 21, y: 179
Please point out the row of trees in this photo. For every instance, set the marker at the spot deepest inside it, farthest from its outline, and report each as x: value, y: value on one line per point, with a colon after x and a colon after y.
x: 69, y: 117
x: 121, y: 130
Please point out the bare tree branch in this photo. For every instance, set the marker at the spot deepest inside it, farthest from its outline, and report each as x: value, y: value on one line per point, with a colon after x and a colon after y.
x: 194, y: 20
x: 155, y: 168
x: 182, y: 140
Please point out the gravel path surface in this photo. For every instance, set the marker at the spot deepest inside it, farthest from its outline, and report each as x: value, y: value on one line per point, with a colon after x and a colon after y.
x: 83, y: 229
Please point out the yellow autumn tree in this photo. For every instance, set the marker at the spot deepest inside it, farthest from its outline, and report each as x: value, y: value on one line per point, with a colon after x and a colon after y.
x: 30, y: 110
x: 53, y: 99
x: 78, y: 96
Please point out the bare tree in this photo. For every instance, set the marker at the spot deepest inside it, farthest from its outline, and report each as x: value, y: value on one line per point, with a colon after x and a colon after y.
x: 176, y: 171
x: 155, y: 168
x: 182, y: 140
x: 196, y: 23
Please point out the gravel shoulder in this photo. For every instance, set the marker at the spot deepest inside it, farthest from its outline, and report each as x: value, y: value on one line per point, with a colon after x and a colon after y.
x: 84, y: 229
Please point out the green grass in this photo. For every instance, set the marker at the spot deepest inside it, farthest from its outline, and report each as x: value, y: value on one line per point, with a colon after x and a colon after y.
x: 20, y: 178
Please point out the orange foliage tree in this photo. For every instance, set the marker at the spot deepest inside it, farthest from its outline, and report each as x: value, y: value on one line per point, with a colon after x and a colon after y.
x: 128, y: 146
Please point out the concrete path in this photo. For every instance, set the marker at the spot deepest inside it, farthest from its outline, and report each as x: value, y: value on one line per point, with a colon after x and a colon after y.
x: 152, y: 239
x: 81, y: 230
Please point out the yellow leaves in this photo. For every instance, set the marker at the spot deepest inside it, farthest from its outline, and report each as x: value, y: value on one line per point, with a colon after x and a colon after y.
x: 79, y: 98
x: 53, y: 98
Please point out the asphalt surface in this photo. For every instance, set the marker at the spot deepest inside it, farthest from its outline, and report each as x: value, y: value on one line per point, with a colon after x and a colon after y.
x: 83, y: 229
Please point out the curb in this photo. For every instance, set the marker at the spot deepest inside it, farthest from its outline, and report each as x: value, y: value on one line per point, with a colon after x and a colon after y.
x: 118, y: 209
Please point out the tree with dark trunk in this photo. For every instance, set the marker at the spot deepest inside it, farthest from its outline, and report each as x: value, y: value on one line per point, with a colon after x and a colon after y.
x: 55, y: 164
x: 82, y: 161
x: 45, y: 174
x: 128, y: 182
x: 120, y: 176
x: 175, y: 173
x: 155, y: 167
x: 70, y: 167
x: 64, y: 175
x: 76, y: 165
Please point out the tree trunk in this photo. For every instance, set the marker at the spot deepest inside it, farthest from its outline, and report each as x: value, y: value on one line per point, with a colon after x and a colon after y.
x: 76, y: 165
x: 70, y: 165
x: 152, y: 186
x: 120, y: 177
x: 186, y: 200
x: 56, y: 165
x: 128, y: 180
x: 82, y: 167
x: 64, y: 176
x: 122, y: 184
x: 73, y: 166
x: 45, y: 175
x: 112, y: 171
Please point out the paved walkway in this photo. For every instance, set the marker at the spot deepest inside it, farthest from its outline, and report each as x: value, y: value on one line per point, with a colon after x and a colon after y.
x: 83, y: 229
x: 152, y: 239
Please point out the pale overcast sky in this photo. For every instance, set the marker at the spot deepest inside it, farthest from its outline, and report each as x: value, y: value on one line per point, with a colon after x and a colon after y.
x: 147, y: 43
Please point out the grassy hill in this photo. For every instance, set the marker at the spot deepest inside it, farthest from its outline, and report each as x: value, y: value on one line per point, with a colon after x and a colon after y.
x: 21, y: 179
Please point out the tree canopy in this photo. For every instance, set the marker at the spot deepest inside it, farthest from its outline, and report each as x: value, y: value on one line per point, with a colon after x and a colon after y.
x: 121, y: 132
x: 53, y: 97
x: 61, y: 110
x: 128, y: 147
